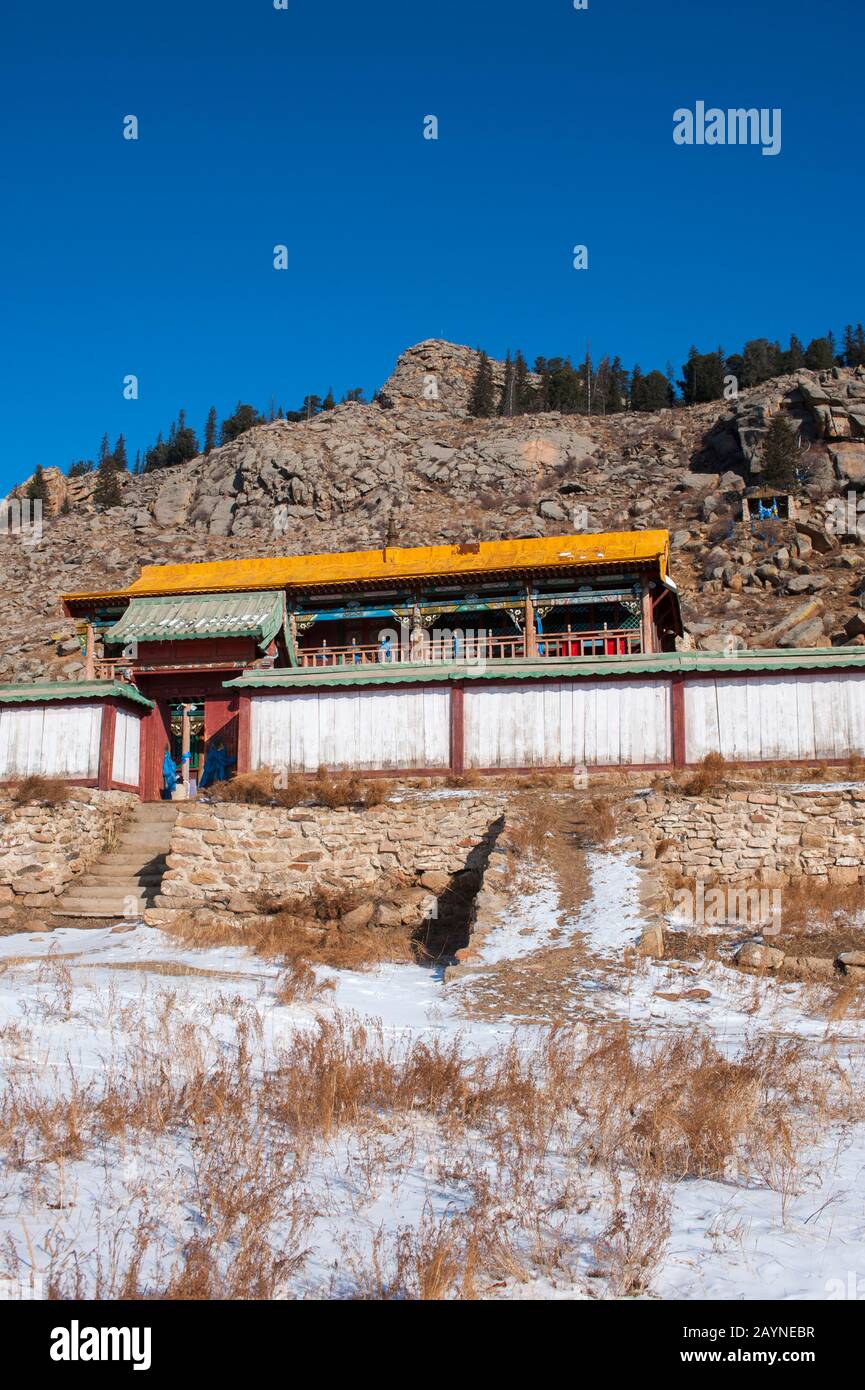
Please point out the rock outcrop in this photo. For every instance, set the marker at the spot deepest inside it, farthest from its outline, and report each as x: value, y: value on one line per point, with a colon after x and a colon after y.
x: 413, y: 468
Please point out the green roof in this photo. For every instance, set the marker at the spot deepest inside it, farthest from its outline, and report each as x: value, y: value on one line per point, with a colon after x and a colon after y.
x: 39, y: 691
x: 184, y: 618
x: 588, y: 668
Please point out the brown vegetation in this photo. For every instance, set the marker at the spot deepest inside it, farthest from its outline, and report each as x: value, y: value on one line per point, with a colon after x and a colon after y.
x: 638, y: 1114
x: 332, y: 789
x: 38, y: 791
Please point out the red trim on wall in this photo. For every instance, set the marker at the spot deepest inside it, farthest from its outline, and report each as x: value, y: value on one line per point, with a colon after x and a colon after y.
x: 678, y: 718
x: 244, y: 732
x: 457, y: 712
x: 106, y: 745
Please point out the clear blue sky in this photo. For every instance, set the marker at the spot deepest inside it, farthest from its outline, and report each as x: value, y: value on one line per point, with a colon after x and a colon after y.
x: 304, y: 127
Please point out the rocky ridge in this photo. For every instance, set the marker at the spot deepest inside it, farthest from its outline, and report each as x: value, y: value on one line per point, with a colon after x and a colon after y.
x: 413, y: 468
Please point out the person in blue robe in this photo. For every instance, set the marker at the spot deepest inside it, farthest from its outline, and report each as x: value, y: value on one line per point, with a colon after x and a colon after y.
x: 216, y: 764
x: 169, y: 776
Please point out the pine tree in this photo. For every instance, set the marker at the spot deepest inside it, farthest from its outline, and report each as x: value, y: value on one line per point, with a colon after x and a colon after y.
x: 329, y: 401
x: 524, y: 396
x: 780, y: 454
x: 794, y: 358
x: 820, y: 355
x: 210, y: 431
x: 482, y: 400
x: 245, y: 417
x: 37, y: 488
x: 121, y: 462
x: 507, y: 400
x: 107, y: 492
x: 104, y: 449
x: 80, y: 468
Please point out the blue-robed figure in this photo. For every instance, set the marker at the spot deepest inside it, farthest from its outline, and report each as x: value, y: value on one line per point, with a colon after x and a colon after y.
x: 169, y: 776
x: 216, y: 764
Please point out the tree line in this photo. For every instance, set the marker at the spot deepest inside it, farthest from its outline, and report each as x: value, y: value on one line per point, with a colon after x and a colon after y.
x: 605, y: 388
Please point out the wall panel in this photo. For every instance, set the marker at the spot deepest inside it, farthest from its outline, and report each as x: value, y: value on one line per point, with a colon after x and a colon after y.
x: 361, y: 729
x: 52, y: 740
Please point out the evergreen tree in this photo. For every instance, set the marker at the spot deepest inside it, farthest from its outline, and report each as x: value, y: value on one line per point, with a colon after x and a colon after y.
x: 37, y: 488
x: 819, y: 355
x: 780, y: 454
x: 80, y: 468
x: 703, y: 377
x: 121, y: 462
x: 329, y: 401
x: 854, y: 345
x: 525, y: 399
x: 107, y: 492
x: 507, y: 400
x: 104, y: 449
x: 482, y: 400
x: 651, y: 392
x: 355, y: 394
x: 245, y: 417
x: 794, y: 357
x: 210, y: 431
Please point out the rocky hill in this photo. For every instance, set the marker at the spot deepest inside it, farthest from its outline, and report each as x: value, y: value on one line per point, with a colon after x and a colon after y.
x: 413, y: 468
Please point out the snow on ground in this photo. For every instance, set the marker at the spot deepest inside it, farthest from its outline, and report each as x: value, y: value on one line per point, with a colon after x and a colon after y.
x: 78, y: 1005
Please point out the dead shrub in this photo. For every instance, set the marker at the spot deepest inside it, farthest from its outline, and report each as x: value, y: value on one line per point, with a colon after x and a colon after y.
x: 631, y: 1247
x: 247, y: 788
x: 39, y: 791
x: 598, y: 821
x: 331, y: 789
x: 710, y: 776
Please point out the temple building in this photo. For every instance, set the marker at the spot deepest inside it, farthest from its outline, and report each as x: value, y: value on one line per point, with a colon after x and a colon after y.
x: 543, y: 652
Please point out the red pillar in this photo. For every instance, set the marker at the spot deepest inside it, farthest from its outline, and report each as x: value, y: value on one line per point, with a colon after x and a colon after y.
x: 457, y: 729
x: 244, y: 732
x: 678, y: 704
x: 106, y: 746
x: 648, y: 621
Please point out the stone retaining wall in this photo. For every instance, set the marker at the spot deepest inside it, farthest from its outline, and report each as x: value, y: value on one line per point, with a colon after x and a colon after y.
x: 223, y: 856
x: 43, y: 847
x: 747, y: 835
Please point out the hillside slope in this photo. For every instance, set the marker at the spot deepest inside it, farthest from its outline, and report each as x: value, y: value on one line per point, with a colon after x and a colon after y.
x: 414, y: 468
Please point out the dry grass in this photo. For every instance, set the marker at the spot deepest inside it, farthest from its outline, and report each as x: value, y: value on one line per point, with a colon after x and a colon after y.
x: 241, y: 1127
x: 38, y: 791
x: 308, y: 929
x: 711, y: 776
x: 331, y: 789
x: 639, y: 1114
x: 598, y: 821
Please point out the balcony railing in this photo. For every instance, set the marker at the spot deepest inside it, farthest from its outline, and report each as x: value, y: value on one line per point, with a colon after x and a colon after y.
x: 111, y: 668
x: 553, y: 646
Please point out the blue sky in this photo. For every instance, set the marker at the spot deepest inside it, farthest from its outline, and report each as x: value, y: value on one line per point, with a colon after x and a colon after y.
x: 304, y: 127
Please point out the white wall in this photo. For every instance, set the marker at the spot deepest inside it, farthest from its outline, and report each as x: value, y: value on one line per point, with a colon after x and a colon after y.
x: 363, y: 729
x: 127, y: 749
x: 575, y: 723
x: 762, y: 717
x: 54, y: 740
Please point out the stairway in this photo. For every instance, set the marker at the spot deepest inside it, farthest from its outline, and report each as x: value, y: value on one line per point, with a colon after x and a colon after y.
x: 125, y: 880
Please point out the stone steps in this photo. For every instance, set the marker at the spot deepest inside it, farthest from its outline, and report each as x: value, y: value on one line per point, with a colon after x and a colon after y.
x: 125, y: 881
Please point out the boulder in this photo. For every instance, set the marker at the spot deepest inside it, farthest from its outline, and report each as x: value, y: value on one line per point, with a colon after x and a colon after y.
x: 822, y: 540
x: 755, y: 956
x: 652, y: 942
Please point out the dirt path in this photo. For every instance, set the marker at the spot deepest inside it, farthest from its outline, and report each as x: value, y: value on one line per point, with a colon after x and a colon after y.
x: 546, y: 984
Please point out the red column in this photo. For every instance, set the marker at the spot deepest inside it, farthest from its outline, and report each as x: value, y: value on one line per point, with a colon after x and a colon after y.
x: 106, y: 746
x: 678, y: 704
x: 648, y: 621
x: 244, y: 731
x: 457, y: 730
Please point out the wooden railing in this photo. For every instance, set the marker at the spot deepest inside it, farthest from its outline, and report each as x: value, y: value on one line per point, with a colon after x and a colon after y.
x: 554, y: 646
x: 112, y: 668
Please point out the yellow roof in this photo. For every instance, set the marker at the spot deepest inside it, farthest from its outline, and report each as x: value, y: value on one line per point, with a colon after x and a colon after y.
x: 417, y: 562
